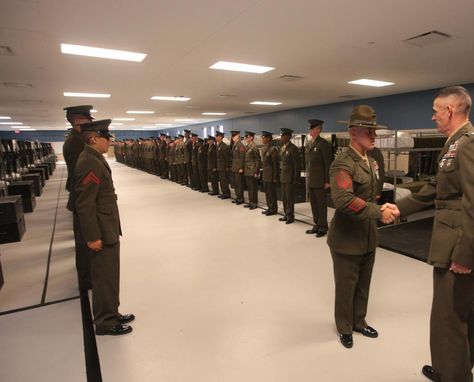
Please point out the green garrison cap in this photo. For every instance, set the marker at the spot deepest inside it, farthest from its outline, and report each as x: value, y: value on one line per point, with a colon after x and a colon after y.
x: 84, y: 110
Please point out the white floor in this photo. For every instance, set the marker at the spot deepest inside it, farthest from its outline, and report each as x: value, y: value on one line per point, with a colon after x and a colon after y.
x: 221, y: 293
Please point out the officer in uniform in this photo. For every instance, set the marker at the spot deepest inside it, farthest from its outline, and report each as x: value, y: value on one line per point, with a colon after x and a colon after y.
x: 452, y: 242
x: 318, y: 160
x: 96, y: 206
x: 212, y: 165
x: 290, y: 169
x: 271, y: 173
x: 252, y: 164
x: 223, y: 156
x: 72, y: 148
x: 238, y: 156
x: 377, y: 155
x: 187, y: 151
x: 202, y: 164
x: 162, y: 157
x: 195, y: 183
x: 352, y: 236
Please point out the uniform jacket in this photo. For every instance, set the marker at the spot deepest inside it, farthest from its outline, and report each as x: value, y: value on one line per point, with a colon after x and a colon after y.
x: 353, y: 230
x: 212, y: 157
x: 187, y: 150
x: 252, y: 160
x: 238, y: 156
x: 73, y: 146
x: 270, y: 163
x: 318, y: 160
x: 202, y: 155
x: 378, y: 156
x: 452, y: 193
x: 223, y: 156
x: 290, y: 167
x: 96, y: 201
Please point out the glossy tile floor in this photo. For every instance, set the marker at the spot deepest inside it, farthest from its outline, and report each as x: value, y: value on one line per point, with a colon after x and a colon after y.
x: 221, y: 294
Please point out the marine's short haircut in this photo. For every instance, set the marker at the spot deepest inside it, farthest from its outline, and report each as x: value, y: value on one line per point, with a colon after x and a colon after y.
x: 464, y: 97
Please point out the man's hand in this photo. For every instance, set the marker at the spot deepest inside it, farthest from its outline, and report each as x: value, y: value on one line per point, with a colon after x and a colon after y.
x: 459, y: 269
x: 96, y: 245
x: 326, y: 186
x: 389, y: 213
x: 241, y: 171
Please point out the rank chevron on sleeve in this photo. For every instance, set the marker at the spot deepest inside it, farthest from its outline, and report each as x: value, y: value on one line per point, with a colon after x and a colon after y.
x: 91, y: 178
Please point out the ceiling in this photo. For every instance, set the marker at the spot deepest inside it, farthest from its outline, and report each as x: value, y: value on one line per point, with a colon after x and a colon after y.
x: 327, y: 43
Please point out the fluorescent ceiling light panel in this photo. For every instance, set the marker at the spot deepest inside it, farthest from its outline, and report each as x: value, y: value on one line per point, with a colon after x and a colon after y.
x: 140, y: 112
x: 11, y: 123
x: 93, y: 111
x: 237, y: 67
x: 211, y: 113
x: 164, y: 124
x: 4, y: 117
x: 165, y: 98
x: 89, y: 95
x: 123, y: 119
x: 368, y: 82
x: 112, y: 54
x: 184, y: 120
x: 267, y: 103
x: 116, y: 124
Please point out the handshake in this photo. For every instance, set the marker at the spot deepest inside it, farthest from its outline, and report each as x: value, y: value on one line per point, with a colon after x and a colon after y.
x: 389, y: 213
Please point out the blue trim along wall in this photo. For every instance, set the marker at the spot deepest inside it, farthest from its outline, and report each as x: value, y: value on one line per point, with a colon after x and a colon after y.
x: 400, y: 111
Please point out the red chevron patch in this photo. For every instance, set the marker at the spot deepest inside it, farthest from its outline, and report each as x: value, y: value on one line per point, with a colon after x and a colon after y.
x: 91, y: 178
x: 357, y: 204
x: 344, y: 180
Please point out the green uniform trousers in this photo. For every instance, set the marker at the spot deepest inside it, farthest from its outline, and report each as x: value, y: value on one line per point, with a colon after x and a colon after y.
x: 83, y: 264
x: 352, y: 275
x: 252, y: 190
x: 319, y: 207
x: 271, y: 196
x: 288, y: 196
x: 105, y: 272
x: 224, y: 182
x: 452, y: 325
x: 239, y: 186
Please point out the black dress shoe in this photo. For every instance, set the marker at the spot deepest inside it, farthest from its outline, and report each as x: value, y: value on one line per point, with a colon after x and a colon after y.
x: 246, y: 205
x: 212, y: 193
x: 368, y: 332
x: 239, y: 202
x: 125, y: 318
x: 290, y: 220
x: 264, y: 212
x: 312, y: 231
x: 283, y: 219
x: 234, y: 201
x: 252, y: 207
x: 321, y: 233
x: 117, y: 330
x: 225, y: 197
x: 220, y: 196
x: 430, y: 373
x: 270, y: 213
x: 346, y: 340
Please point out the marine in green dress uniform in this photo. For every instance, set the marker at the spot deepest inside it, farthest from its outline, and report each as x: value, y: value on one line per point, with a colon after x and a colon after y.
x: 212, y: 165
x: 223, y: 161
x: 352, y: 236
x: 271, y: 173
x: 452, y: 242
x: 96, y: 205
x: 290, y: 169
x: 252, y: 163
x: 318, y: 160
x: 238, y: 157
x: 72, y: 148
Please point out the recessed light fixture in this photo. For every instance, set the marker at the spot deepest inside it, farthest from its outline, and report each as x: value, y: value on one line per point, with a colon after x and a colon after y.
x: 184, y: 120
x: 4, y: 117
x: 166, y: 98
x: 89, y: 95
x: 140, y: 112
x: 238, y: 67
x: 368, y: 82
x: 212, y: 113
x: 116, y: 124
x: 123, y: 119
x: 26, y: 128
x: 11, y: 123
x: 267, y: 103
x: 89, y: 51
x: 21, y: 85
x: 93, y: 111
x: 150, y: 127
